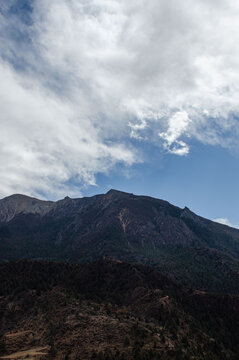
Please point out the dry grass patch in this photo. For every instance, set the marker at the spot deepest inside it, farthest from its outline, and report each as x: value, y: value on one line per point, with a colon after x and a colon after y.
x: 27, y: 354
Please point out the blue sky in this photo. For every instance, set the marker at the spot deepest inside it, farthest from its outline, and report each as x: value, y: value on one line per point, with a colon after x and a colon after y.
x: 206, y: 181
x: 138, y: 96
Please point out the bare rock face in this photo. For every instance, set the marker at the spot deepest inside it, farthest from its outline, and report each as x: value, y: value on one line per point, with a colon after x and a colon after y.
x: 14, y: 205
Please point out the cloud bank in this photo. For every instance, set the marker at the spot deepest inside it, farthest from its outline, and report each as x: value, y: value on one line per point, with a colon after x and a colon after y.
x: 83, y: 83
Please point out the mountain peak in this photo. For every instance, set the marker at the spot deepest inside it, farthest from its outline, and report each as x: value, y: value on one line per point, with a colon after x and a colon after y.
x: 114, y: 191
x: 16, y: 197
x: 118, y: 193
x: 15, y: 204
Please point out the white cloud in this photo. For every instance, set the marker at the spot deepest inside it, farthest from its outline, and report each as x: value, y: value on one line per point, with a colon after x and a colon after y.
x: 225, y: 221
x: 87, y: 76
x: 43, y: 144
x: 177, y: 126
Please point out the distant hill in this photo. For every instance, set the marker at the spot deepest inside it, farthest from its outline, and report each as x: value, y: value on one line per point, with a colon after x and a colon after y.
x: 189, y: 249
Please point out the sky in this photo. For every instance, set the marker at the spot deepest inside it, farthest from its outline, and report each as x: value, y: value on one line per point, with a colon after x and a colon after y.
x: 141, y: 96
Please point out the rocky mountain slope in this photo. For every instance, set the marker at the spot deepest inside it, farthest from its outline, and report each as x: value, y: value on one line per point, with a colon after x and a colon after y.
x: 14, y: 205
x: 190, y: 249
x: 110, y: 310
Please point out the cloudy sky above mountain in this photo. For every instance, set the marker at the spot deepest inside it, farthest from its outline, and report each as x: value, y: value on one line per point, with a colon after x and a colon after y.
x: 139, y: 95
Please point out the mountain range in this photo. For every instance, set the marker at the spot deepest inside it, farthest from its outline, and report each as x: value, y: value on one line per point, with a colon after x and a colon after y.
x: 191, y: 250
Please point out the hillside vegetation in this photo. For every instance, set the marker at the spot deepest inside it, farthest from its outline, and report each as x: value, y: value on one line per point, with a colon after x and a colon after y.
x: 110, y: 310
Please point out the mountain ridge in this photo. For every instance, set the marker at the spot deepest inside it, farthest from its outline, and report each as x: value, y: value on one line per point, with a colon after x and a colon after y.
x: 50, y: 204
x: 190, y: 249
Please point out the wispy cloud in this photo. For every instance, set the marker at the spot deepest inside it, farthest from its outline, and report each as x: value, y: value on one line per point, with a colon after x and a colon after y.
x: 79, y: 79
x: 225, y: 221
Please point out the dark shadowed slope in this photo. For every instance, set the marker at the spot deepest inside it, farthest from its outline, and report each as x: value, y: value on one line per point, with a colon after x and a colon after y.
x: 192, y: 250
